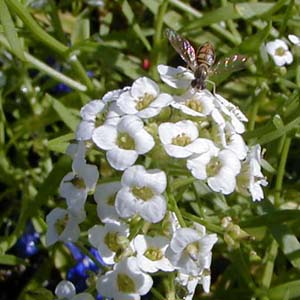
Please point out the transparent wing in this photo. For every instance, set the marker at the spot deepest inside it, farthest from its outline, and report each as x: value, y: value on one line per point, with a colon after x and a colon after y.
x: 229, y: 64
x: 183, y: 48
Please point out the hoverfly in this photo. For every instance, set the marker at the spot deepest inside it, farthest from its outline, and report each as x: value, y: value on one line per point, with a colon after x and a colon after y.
x: 202, y: 61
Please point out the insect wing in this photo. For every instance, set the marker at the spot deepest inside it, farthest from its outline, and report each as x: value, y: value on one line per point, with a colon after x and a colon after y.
x: 183, y: 48
x: 229, y: 64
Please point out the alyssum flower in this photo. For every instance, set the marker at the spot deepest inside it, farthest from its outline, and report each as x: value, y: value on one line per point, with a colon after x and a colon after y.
x: 141, y: 194
x: 123, y: 142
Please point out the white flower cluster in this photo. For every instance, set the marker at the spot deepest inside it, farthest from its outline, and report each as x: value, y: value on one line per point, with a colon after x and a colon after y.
x: 137, y: 234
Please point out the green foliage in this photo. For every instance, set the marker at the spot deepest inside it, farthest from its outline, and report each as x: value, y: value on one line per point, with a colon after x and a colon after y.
x: 47, y: 43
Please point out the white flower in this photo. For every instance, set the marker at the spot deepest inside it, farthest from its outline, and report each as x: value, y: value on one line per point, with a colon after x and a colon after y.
x: 124, y: 142
x: 62, y: 226
x: 125, y: 282
x: 230, y: 140
x: 190, y: 250
x: 218, y: 168
x: 181, y: 139
x: 65, y: 290
x: 75, y: 186
x: 143, y: 99
x: 294, y: 39
x: 141, y: 194
x: 102, y: 111
x: 196, y: 104
x: 88, y: 114
x: 110, y: 239
x: 231, y: 114
x: 113, y: 95
x: 76, y: 150
x: 279, y: 51
x: 179, y: 77
x: 151, y: 253
x: 105, y: 198
x: 250, y: 179
x: 189, y: 283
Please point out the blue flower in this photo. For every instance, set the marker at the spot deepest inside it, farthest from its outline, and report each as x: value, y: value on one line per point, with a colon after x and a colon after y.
x: 27, y: 244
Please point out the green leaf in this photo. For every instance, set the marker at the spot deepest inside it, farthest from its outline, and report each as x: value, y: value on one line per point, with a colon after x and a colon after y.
x: 248, y: 10
x: 275, y: 217
x: 60, y: 144
x: 37, y: 294
x: 289, y: 290
x: 10, y: 31
x: 129, y: 14
x: 252, y: 43
x: 10, y: 260
x: 288, y: 243
x: 223, y: 13
x: 65, y: 114
x: 81, y: 31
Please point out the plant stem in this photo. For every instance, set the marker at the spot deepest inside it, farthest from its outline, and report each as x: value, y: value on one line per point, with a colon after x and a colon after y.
x: 48, y: 70
x: 281, y: 170
x: 21, y: 11
x: 157, y: 295
x: 48, y: 40
x: 176, y: 209
x: 157, y: 38
x: 269, y: 266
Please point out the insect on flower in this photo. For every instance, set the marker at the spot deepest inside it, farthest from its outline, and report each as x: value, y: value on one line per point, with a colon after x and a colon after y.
x: 202, y: 61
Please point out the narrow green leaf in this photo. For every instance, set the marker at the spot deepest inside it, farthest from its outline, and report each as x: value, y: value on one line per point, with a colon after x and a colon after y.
x: 275, y: 217
x: 65, y: 114
x: 81, y: 31
x: 10, y: 31
x: 223, y: 13
x: 248, y: 10
x: 60, y: 144
x: 10, y: 260
x: 40, y: 34
x: 129, y: 14
x: 252, y: 43
x: 37, y: 294
x: 288, y: 243
x: 289, y: 290
x: 269, y: 132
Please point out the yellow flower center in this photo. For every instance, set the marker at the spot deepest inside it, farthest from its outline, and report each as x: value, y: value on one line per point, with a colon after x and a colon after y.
x: 181, y: 140
x: 111, y: 240
x: 192, y: 250
x: 153, y: 254
x: 194, y: 105
x: 144, y: 101
x: 78, y: 182
x: 143, y: 193
x: 111, y: 200
x: 280, y: 51
x: 125, y: 284
x: 213, y: 167
x: 125, y: 141
x: 60, y: 225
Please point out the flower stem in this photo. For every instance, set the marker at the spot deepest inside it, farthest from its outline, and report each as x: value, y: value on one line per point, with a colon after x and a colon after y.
x: 21, y: 11
x: 48, y: 40
x: 157, y: 294
x: 176, y: 210
x: 209, y: 226
x: 157, y: 39
x: 269, y: 265
x: 281, y: 169
x: 48, y: 70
